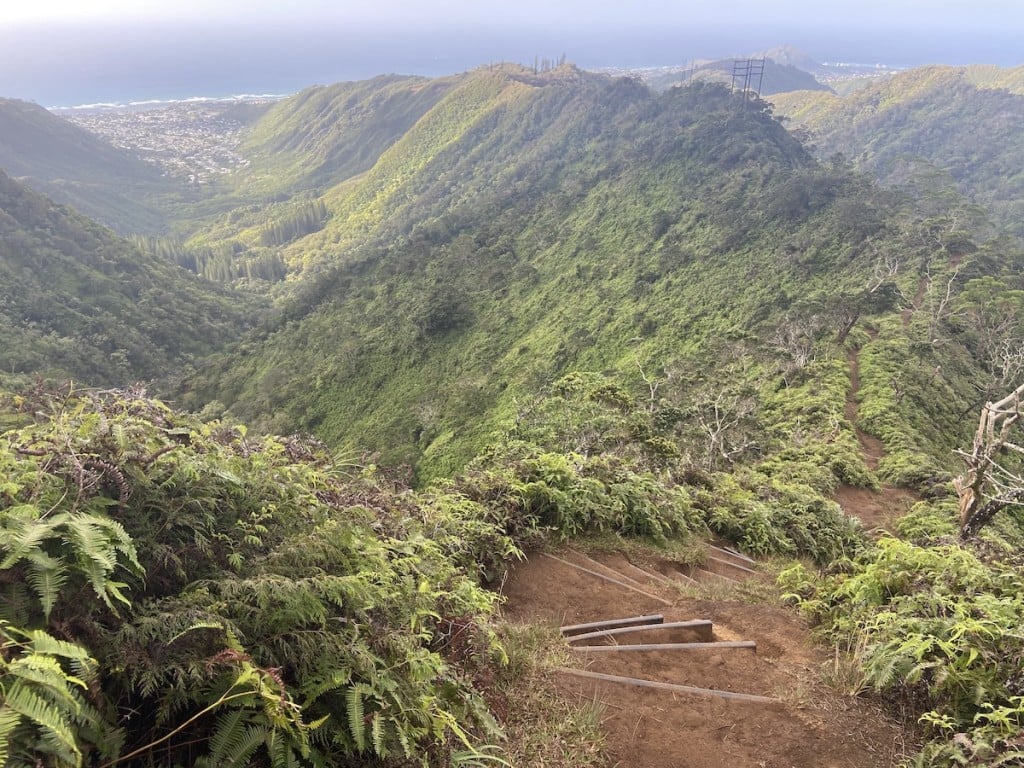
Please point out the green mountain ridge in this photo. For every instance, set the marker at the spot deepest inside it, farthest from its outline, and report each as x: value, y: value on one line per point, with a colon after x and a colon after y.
x: 77, y: 301
x: 326, y: 134
x: 530, y: 225
x: 934, y: 128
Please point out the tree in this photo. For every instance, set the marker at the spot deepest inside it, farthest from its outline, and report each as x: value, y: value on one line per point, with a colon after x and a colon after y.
x: 994, y: 478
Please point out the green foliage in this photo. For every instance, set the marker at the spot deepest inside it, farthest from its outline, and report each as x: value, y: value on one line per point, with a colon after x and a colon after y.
x: 527, y: 490
x: 249, y: 600
x: 76, y: 301
x: 931, y: 128
x: 45, y: 714
x: 936, y: 628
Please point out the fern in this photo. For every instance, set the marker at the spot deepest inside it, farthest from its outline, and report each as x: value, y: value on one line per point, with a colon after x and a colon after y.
x: 356, y: 721
x: 377, y: 730
x: 227, y: 736
x: 53, y: 723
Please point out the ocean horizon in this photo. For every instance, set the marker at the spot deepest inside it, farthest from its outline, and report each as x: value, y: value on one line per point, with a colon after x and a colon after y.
x: 127, y: 65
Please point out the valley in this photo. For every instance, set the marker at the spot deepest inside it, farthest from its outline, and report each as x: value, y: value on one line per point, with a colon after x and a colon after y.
x: 384, y: 383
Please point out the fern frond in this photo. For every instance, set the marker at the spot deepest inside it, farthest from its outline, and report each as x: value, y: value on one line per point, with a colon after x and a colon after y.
x: 227, y: 735
x: 41, y: 642
x: 21, y: 534
x: 377, y: 732
x: 252, y: 738
x: 9, y: 720
x: 45, y: 716
x: 356, y: 723
x: 46, y: 575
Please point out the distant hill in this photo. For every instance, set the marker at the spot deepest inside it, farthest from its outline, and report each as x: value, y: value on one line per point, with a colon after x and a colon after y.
x: 77, y: 301
x: 76, y: 167
x: 928, y: 127
x: 326, y: 134
x: 533, y: 224
x: 778, y: 77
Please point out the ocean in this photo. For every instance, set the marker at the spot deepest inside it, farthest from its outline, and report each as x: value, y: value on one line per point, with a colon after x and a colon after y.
x: 67, y: 66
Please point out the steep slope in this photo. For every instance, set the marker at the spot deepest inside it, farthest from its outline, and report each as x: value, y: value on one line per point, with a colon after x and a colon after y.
x: 76, y: 167
x: 77, y: 301
x: 324, y: 135
x: 531, y: 225
x: 933, y: 127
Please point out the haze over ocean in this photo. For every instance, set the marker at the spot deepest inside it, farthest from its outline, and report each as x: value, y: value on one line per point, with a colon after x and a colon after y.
x: 80, y: 65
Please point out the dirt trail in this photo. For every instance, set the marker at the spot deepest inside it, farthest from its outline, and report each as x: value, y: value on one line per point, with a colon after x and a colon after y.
x: 875, y: 509
x: 811, y: 726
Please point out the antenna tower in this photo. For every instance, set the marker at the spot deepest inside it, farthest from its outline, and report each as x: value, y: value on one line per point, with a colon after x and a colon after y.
x: 747, y: 77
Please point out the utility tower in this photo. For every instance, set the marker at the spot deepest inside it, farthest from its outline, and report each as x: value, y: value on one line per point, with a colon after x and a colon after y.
x: 747, y: 77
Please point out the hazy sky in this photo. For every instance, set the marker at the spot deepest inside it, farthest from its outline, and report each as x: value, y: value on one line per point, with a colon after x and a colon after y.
x: 974, y: 14
x: 60, y: 52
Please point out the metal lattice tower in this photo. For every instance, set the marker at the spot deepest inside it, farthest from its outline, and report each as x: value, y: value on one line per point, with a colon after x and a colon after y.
x: 745, y: 73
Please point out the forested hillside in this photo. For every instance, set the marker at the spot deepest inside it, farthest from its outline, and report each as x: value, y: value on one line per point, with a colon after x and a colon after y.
x: 73, y: 166
x: 936, y: 129
x: 77, y: 301
x: 532, y: 225
x: 326, y: 134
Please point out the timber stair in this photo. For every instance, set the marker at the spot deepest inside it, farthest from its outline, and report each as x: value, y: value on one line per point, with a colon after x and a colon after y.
x: 606, y: 643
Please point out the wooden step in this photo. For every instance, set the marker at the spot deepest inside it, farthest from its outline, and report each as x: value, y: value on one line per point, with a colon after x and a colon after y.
x: 737, y: 644
x: 703, y: 626
x: 629, y: 621
x: 727, y: 568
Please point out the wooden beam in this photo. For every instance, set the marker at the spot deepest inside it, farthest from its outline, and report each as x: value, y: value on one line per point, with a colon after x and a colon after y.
x: 652, y: 575
x: 674, y: 688
x: 612, y: 632
x: 606, y: 569
x: 752, y: 645
x: 732, y: 553
x: 651, y: 618
x: 617, y: 582
x: 729, y: 564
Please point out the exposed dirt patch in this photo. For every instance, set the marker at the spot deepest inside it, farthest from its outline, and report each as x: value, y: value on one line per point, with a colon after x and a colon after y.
x: 870, y: 445
x: 811, y: 725
x: 876, y: 509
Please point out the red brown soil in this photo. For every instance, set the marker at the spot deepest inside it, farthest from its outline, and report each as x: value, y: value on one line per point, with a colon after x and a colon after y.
x: 877, y: 510
x: 811, y: 726
x: 870, y: 445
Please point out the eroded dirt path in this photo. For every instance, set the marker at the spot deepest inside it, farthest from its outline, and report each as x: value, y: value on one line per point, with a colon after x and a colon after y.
x: 810, y: 726
x: 875, y: 509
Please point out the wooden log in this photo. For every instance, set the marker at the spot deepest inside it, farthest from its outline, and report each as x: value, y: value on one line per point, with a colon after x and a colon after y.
x: 673, y: 687
x: 612, y: 632
x: 729, y: 551
x: 729, y: 565
x: 667, y: 646
x: 617, y: 582
x: 607, y: 569
x: 651, y: 575
x: 629, y: 621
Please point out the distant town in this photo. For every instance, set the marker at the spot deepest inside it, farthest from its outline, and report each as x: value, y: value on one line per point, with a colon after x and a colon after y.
x: 195, y: 140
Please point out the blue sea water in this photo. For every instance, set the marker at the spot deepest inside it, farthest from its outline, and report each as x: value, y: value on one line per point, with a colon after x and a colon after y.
x: 79, y: 65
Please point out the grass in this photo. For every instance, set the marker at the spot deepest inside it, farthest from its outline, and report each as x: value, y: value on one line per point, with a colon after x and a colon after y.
x: 544, y: 727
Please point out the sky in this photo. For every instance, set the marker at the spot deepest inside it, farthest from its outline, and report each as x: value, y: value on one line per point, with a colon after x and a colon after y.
x: 64, y: 52
x: 978, y: 14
